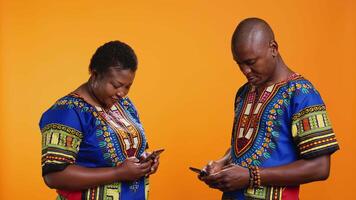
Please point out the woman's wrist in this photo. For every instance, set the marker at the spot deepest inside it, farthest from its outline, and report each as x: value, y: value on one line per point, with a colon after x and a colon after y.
x: 118, y: 173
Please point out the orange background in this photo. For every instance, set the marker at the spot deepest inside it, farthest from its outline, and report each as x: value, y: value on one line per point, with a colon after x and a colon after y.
x: 185, y: 85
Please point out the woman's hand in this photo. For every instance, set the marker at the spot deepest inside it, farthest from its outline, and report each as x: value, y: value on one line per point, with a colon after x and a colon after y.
x: 155, y: 162
x: 131, y: 169
x: 229, y: 178
x: 154, y: 166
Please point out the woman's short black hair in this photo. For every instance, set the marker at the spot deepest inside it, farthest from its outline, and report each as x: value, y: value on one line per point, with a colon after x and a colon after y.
x: 113, y: 54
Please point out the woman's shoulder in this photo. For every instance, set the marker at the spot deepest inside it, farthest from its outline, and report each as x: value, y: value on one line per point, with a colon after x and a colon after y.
x: 70, y: 109
x: 72, y: 101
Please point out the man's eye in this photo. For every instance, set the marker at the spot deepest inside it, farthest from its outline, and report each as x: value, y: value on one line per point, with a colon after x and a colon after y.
x: 251, y: 62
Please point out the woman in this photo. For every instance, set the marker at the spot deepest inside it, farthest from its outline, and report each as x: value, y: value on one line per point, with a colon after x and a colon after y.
x: 92, y: 139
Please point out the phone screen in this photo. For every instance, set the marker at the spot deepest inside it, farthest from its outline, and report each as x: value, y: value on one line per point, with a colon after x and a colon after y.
x: 152, y: 156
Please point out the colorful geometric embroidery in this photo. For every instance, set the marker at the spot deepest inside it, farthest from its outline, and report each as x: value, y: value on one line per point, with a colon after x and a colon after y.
x: 119, y: 135
x: 271, y: 130
x: 60, y: 144
x: 130, y: 139
x: 102, y: 130
x: 265, y: 193
x: 255, y: 134
x: 312, y: 131
x: 267, y: 130
x: 247, y: 126
x: 107, y: 192
x: 272, y: 193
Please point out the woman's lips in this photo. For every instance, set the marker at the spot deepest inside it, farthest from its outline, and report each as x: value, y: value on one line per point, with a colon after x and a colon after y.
x: 115, y: 99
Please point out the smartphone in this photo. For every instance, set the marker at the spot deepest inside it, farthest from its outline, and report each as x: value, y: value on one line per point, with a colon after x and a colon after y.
x: 199, y: 171
x: 152, y: 156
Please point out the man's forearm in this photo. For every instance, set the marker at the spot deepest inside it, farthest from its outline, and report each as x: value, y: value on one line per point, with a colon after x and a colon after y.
x: 226, y: 159
x: 296, y: 173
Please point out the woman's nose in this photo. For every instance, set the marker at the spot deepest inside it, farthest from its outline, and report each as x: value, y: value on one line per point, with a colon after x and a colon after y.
x: 121, y: 93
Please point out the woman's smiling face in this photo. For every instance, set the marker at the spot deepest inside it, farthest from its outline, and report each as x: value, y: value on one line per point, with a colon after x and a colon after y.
x: 111, y: 85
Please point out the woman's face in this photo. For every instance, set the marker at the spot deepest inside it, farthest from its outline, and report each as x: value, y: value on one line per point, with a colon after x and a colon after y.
x: 112, y: 85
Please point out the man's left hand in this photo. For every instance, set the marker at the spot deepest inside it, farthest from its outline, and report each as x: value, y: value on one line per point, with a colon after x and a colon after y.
x: 232, y: 178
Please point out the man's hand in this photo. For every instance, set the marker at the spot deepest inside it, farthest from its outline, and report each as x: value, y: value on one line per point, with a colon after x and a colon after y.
x: 229, y: 178
x: 213, y: 167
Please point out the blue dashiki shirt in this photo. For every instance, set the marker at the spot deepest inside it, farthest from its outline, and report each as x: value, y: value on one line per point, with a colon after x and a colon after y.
x: 74, y: 132
x: 286, y: 123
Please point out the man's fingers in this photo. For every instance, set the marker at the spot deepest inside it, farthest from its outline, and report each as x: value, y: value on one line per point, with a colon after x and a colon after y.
x: 228, y: 166
x: 212, y: 179
x: 209, y: 166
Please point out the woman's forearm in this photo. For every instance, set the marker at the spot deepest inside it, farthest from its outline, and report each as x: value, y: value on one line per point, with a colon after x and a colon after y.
x: 75, y: 177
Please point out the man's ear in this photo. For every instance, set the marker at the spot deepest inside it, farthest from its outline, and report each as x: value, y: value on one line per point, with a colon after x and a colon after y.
x: 274, y: 47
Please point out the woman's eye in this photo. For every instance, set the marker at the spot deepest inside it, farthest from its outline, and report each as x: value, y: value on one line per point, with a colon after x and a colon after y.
x: 116, y: 86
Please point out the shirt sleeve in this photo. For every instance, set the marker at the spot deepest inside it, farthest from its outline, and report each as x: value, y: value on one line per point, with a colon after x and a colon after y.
x: 61, y: 138
x: 311, y: 127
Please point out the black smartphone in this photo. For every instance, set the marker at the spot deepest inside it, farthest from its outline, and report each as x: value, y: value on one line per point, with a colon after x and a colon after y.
x: 199, y: 171
x: 152, y: 156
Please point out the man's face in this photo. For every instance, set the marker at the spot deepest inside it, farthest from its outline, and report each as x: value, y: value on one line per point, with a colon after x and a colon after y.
x: 255, y: 61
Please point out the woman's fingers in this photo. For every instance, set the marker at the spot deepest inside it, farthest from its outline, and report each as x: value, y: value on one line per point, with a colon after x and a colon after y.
x: 133, y: 159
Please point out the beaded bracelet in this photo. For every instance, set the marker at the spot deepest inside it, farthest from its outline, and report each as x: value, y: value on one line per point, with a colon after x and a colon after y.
x: 250, y: 181
x: 255, y: 177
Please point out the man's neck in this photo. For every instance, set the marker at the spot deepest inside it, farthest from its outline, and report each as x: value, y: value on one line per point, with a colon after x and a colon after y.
x: 281, y: 73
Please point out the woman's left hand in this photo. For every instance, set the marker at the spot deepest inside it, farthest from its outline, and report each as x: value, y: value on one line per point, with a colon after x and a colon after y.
x: 155, y: 163
x: 154, y: 166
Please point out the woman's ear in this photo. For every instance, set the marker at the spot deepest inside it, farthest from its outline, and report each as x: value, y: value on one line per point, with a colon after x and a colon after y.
x: 94, y: 74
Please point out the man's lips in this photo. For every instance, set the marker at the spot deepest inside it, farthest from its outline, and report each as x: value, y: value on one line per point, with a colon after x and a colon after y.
x: 251, y: 78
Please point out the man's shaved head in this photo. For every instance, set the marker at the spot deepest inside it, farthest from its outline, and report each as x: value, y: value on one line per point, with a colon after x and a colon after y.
x: 256, y: 52
x: 252, y: 31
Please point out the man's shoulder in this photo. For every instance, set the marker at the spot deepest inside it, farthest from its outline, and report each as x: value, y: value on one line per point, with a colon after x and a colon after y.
x: 300, y: 84
x: 244, y: 87
x: 298, y: 78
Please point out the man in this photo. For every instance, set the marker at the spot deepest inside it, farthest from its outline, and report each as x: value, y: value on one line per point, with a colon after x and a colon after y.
x: 281, y: 136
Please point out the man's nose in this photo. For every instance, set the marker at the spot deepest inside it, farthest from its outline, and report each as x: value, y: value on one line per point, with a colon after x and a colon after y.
x: 245, y: 69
